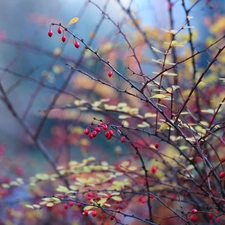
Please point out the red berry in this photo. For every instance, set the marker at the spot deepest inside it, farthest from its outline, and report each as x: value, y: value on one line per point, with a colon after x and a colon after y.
x: 50, y: 33
x: 154, y: 169
x: 65, y: 206
x: 142, y: 200
x: 90, y: 194
x: 94, y: 133
x: 90, y: 135
x: 94, y: 213
x: 59, y: 30
x: 222, y: 175
x: 86, y: 131
x: 156, y: 145
x: 79, y: 204
x: 111, y: 217
x: 210, y: 215
x: 170, y: 6
x: 70, y: 203
x: 193, y: 218
x: 104, y: 126
x: 122, y: 139
x: 77, y: 44
x: 108, y: 135
x: 151, y: 196
x: 110, y: 73
x: 63, y: 38
x: 85, y: 212
x: 97, y: 129
x: 194, y: 211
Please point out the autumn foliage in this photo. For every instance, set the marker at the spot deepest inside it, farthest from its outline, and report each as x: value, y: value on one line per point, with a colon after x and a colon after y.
x: 130, y: 130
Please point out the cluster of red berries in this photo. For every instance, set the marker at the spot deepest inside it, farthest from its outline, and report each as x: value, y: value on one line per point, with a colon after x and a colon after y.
x: 65, y: 205
x: 193, y: 216
x: 50, y: 33
x: 97, y: 129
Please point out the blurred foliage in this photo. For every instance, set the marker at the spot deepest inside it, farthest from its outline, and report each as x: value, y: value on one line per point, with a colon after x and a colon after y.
x: 152, y: 92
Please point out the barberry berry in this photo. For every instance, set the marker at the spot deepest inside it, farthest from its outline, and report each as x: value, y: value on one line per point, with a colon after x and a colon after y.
x: 50, y: 33
x: 77, y: 44
x: 222, y: 175
x: 110, y: 73
x: 94, y: 213
x: 122, y: 139
x: 59, y: 30
x: 70, y: 203
x: 86, y: 131
x: 63, y: 38
x: 154, y: 169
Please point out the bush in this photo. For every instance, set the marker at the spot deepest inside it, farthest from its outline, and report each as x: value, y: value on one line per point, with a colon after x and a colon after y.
x: 125, y: 129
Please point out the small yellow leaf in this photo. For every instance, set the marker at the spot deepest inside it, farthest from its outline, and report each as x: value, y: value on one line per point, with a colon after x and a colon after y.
x: 156, y: 50
x: 30, y: 206
x: 125, y: 164
x: 62, y: 189
x: 169, y: 74
x: 169, y: 89
x: 124, y: 117
x: 132, y: 168
x: 36, y: 206
x: 6, y: 186
x: 158, y: 96
x: 72, y: 21
x: 163, y: 126
x: 102, y: 202
x: 121, y: 105
x: 149, y: 115
x: 50, y: 204
x: 116, y: 198
x: 89, y: 207
x: 211, y: 111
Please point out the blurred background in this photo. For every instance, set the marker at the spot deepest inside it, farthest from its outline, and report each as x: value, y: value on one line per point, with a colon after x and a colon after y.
x: 32, y: 68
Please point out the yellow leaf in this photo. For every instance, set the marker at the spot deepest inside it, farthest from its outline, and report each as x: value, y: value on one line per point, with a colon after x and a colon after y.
x: 30, y: 206
x: 132, y: 168
x: 5, y: 185
x: 122, y: 104
x: 211, y: 111
x: 124, y: 116
x: 62, y: 189
x: 169, y: 74
x: 158, y: 96
x: 125, y: 164
x: 102, y: 201
x: 163, y: 126
x: 116, y: 198
x: 149, y: 115
x: 156, y: 50
x: 89, y: 207
x: 72, y: 21
x: 50, y: 204
x: 36, y: 206
x: 169, y: 89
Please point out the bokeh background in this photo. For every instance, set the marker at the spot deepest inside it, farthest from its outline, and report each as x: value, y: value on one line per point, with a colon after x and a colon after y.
x: 28, y: 56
